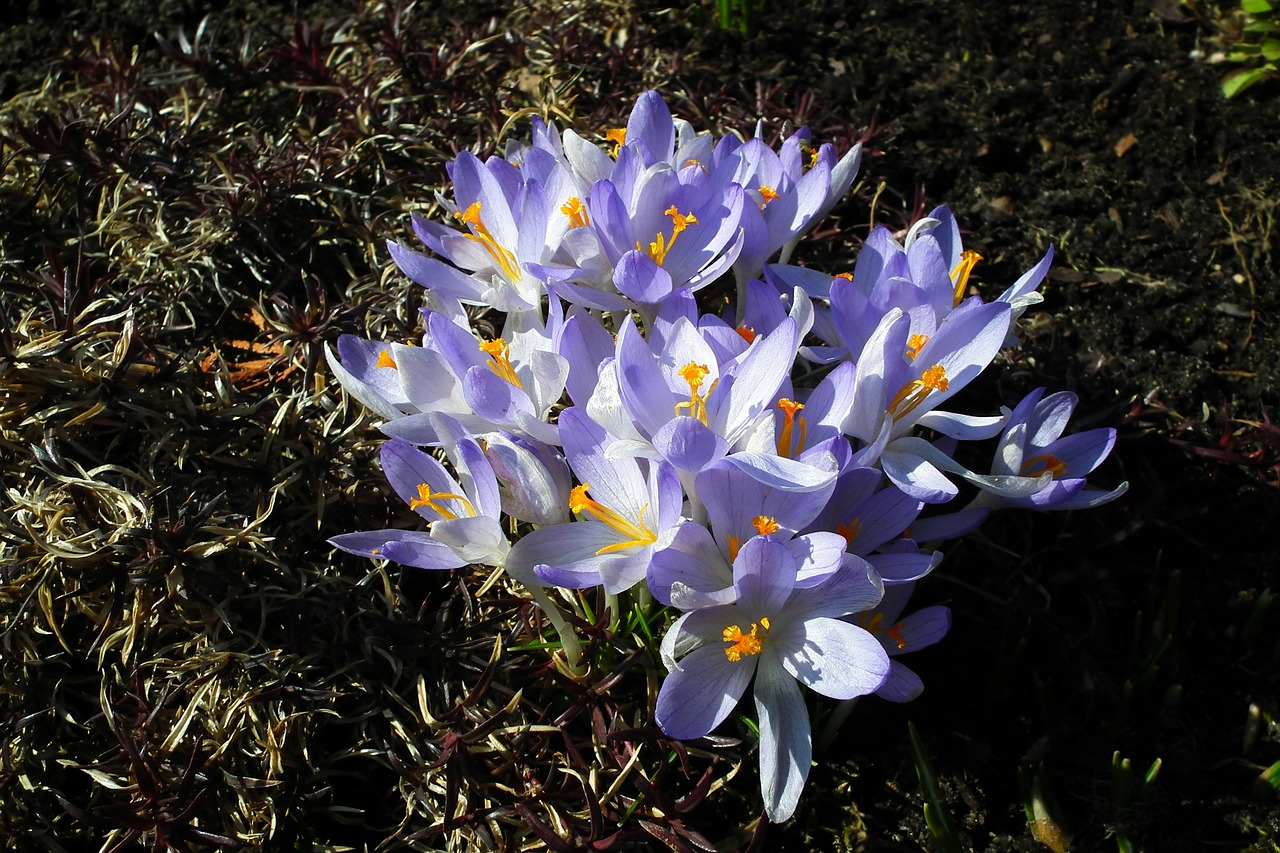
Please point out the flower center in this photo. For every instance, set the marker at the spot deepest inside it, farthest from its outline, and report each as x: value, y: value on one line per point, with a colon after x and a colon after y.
x: 849, y: 531
x: 875, y: 625
x: 914, y: 393
x: 695, y: 375
x: 499, y: 361
x: 618, y: 136
x: 786, y: 436
x: 744, y: 644
x: 577, y: 213
x: 765, y: 526
x: 747, y: 333
x: 1037, y: 465
x: 480, y: 234
x: 637, y: 535
x: 960, y: 275
x: 385, y: 360
x: 658, y: 249
x: 768, y: 194
x: 431, y: 500
x: 914, y: 344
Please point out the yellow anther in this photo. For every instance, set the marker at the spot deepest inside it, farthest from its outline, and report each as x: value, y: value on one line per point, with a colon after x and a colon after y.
x: 1037, y: 465
x: 638, y: 535
x: 431, y: 500
x: 914, y: 344
x: 847, y: 276
x: 875, y: 625
x: 499, y: 361
x: 744, y: 644
x: 765, y: 525
x: 577, y: 213
x: 385, y: 360
x: 813, y: 158
x: 658, y: 249
x: 960, y: 275
x: 914, y: 393
x: 618, y: 136
x: 788, y: 443
x: 505, y: 260
x: 695, y: 375
x: 688, y: 163
x: 849, y: 531
x: 735, y: 545
x: 767, y: 194
x: 747, y: 333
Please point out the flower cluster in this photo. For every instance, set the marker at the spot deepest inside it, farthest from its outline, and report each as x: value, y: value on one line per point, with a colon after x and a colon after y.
x: 786, y: 525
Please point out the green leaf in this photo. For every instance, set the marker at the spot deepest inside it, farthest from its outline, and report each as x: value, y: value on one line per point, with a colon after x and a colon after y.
x: 1239, y: 80
x: 1271, y: 49
x: 1256, y: 7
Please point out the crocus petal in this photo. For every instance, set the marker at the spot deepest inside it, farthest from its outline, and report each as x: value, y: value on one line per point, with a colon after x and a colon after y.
x: 917, y: 477
x: 837, y: 659
x: 924, y: 628
x: 764, y: 575
x: 902, y: 685
x: 696, y: 698
x: 689, y: 444
x: 786, y: 746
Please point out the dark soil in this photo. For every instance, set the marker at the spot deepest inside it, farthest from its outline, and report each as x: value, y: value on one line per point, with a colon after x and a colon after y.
x: 1141, y: 630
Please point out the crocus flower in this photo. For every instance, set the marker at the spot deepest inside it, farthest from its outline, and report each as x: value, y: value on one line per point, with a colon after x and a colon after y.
x: 463, y: 513
x: 902, y: 635
x: 629, y: 508
x: 506, y: 384
x: 1033, y: 446
x: 779, y: 634
x: 902, y: 380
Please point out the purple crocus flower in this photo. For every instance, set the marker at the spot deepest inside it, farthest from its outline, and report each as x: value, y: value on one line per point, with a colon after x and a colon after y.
x: 902, y: 635
x: 629, y: 508
x: 901, y: 381
x: 506, y: 384
x: 463, y: 513
x: 780, y: 634
x: 1033, y: 446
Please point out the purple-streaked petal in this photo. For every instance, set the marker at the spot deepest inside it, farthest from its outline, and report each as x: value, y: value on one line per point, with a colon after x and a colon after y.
x: 696, y: 697
x: 786, y: 745
x: 837, y: 659
x: 689, y: 444
x: 902, y: 685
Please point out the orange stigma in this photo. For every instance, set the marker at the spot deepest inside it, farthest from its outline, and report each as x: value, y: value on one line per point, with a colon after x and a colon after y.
x: 914, y: 393
x: 499, y: 361
x: 744, y: 644
x: 789, y: 442
x: 577, y: 213
x: 695, y: 375
x: 430, y: 500
x: 1037, y: 465
x: 660, y: 246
